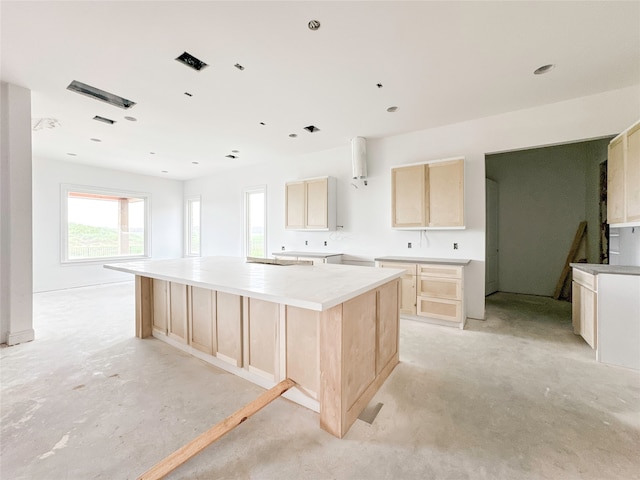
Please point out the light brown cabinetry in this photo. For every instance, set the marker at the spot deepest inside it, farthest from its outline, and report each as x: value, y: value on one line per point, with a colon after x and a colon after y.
x: 311, y: 204
x: 431, y: 291
x: 428, y: 195
x: 407, y: 286
x: 584, y: 306
x: 623, y: 178
x: 440, y: 292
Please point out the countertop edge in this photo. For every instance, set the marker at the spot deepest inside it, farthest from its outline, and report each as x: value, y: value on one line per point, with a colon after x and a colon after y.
x: 604, y: 269
x: 441, y: 261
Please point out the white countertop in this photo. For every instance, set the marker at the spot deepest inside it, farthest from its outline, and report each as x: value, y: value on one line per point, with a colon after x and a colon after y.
x: 441, y: 261
x: 289, y: 253
x: 595, y: 269
x: 314, y: 287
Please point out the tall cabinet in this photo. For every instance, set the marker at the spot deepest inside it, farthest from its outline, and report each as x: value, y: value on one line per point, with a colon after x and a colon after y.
x: 623, y: 178
x: 428, y: 195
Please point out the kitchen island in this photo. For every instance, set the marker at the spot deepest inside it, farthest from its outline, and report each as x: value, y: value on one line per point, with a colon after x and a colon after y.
x: 333, y: 329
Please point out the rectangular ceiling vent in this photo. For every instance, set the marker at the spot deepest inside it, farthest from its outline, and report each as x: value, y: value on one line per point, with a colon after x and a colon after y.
x: 191, y: 61
x: 104, y: 120
x: 101, y: 95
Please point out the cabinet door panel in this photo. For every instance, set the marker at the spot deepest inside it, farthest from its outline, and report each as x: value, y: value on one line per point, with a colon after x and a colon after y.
x: 446, y: 194
x: 295, y: 205
x: 387, y: 324
x: 229, y: 328
x: 408, y: 295
x: 303, y: 362
x: 178, y: 320
x: 615, y: 182
x: 160, y: 306
x: 263, y: 324
x: 450, y: 288
x: 633, y: 174
x: 203, y: 309
x: 409, y: 203
x: 576, y: 294
x: 440, y: 308
x: 588, y: 312
x: 449, y: 271
x: 316, y: 204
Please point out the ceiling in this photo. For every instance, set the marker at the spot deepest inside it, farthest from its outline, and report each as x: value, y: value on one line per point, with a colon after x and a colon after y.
x: 438, y: 63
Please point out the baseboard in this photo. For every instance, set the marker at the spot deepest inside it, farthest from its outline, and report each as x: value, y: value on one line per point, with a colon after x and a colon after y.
x: 21, y: 337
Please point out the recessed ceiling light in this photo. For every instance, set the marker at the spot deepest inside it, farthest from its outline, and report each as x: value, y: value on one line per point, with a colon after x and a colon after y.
x: 196, y: 163
x: 379, y: 85
x: 101, y: 95
x: 231, y: 156
x: 238, y: 66
x: 313, y: 25
x: 191, y: 61
x: 131, y: 119
x: 72, y: 154
x: 95, y: 139
x: 165, y: 171
x: 188, y: 94
x: 152, y: 153
x: 104, y: 120
x: 293, y: 135
x: 235, y: 151
x: 312, y: 129
x: 544, y: 69
x: 262, y: 123
x: 392, y: 109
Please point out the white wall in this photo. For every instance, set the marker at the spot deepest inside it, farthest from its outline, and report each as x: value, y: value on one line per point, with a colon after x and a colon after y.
x: 628, y: 246
x: 544, y: 194
x: 16, y: 278
x: 365, y: 212
x: 48, y: 175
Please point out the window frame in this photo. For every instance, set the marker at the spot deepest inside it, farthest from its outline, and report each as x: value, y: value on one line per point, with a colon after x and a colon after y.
x: 66, y: 188
x: 245, y: 217
x: 188, y: 201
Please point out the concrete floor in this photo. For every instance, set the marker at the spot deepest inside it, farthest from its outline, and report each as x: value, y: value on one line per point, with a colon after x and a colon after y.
x: 516, y: 396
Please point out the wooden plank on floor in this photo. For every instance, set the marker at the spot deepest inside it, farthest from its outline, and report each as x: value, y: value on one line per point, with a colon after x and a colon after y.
x: 582, y: 228
x: 195, y: 446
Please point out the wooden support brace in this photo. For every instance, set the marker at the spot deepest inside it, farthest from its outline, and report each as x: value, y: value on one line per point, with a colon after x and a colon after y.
x: 582, y: 228
x: 205, y: 439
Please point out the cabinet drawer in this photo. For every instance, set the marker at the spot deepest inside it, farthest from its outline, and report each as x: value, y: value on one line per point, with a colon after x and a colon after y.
x: 585, y: 279
x: 440, y: 308
x: 409, y: 268
x: 449, y: 288
x: 448, y: 271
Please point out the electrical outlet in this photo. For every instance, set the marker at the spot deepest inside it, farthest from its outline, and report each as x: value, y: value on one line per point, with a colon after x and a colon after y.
x: 409, y: 245
x: 455, y: 246
x: 282, y: 247
x: 306, y: 242
x: 325, y: 243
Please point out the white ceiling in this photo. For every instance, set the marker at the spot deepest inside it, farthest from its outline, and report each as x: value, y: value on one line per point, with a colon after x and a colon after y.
x: 438, y: 62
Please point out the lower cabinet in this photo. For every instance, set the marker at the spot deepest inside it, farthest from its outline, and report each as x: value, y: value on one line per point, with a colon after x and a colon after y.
x: 432, y: 292
x: 584, y: 306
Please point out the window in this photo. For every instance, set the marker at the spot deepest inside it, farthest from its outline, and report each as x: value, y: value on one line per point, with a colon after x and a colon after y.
x: 192, y: 226
x: 255, y: 221
x: 102, y: 224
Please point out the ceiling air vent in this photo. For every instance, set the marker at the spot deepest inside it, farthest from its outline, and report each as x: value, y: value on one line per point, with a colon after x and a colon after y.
x: 312, y: 129
x: 231, y: 156
x: 101, y: 95
x: 191, y: 61
x: 104, y: 120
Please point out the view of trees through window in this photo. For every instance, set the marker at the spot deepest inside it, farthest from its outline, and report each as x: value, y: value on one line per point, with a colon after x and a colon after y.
x: 102, y: 226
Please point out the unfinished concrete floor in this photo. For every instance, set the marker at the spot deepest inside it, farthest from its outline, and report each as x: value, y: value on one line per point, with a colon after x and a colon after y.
x: 517, y: 396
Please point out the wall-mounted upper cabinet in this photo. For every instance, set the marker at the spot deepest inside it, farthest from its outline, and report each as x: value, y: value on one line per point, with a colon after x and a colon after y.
x: 311, y: 204
x: 623, y: 178
x: 428, y: 195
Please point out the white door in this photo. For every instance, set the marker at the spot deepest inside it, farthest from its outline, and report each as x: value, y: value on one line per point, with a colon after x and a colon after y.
x: 491, y: 256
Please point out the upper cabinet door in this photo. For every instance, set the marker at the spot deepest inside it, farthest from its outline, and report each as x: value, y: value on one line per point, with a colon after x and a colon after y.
x: 615, y: 181
x: 446, y: 194
x: 409, y: 207
x: 317, y: 207
x: 632, y: 180
x: 295, y: 205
